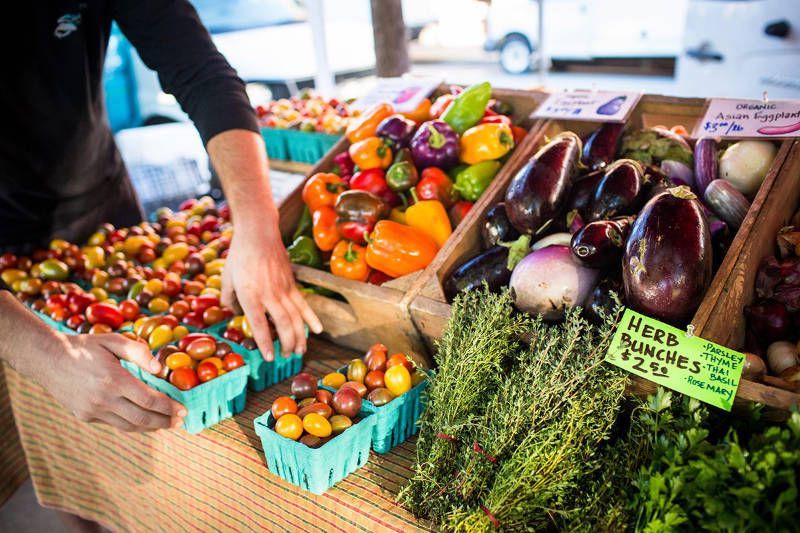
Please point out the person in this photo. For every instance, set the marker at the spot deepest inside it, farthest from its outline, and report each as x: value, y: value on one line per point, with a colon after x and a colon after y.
x: 61, y: 176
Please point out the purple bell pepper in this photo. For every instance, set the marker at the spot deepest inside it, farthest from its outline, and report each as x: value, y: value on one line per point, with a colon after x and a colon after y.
x: 435, y: 144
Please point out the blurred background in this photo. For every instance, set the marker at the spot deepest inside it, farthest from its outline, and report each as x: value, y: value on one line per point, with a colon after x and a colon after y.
x: 737, y: 48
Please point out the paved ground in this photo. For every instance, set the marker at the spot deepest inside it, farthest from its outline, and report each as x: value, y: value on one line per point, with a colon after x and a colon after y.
x: 22, y: 514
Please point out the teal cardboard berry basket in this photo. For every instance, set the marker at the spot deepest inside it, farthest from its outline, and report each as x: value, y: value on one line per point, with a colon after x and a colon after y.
x: 309, y: 146
x: 396, y: 421
x: 316, y: 469
x: 275, y: 140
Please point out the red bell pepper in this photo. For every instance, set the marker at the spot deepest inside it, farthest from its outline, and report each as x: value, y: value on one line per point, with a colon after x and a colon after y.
x: 374, y: 181
x: 343, y: 165
x: 459, y: 211
x: 435, y: 184
x: 494, y: 118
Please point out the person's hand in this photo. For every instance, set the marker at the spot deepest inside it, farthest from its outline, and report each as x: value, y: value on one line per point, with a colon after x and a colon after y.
x: 86, y: 377
x: 258, y: 277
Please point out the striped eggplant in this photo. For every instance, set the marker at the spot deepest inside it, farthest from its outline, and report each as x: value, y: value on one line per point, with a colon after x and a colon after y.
x: 705, y: 163
x: 726, y: 202
x: 666, y: 266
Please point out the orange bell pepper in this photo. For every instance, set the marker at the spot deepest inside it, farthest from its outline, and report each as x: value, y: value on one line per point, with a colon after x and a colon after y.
x: 430, y: 217
x: 347, y: 261
x: 324, y: 228
x: 422, y: 113
x: 372, y: 152
x: 366, y: 124
x: 486, y: 142
x: 322, y: 189
x: 397, y: 250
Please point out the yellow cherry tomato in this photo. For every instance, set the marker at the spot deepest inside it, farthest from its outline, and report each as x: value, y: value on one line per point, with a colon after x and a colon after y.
x: 246, y: 329
x: 334, y: 380
x: 175, y: 252
x: 214, y: 282
x: 10, y: 275
x: 208, y: 254
x: 160, y: 336
x: 316, y: 425
x: 397, y: 379
x: 133, y: 244
x: 236, y: 322
x: 178, y: 360
x: 212, y: 291
x: 179, y: 332
x: 159, y: 264
x: 214, y: 267
x: 96, y: 239
x: 155, y: 286
x: 290, y: 426
x: 93, y: 256
x: 99, y: 293
x: 158, y: 304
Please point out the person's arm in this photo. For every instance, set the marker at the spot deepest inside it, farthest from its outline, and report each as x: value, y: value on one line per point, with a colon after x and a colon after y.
x: 172, y: 41
x: 83, y: 373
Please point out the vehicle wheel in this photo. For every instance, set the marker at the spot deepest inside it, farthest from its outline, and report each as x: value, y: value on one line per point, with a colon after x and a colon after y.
x: 515, y: 55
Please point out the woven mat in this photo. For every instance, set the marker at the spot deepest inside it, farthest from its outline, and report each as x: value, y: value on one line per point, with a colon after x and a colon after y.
x: 216, y: 480
x: 13, y: 471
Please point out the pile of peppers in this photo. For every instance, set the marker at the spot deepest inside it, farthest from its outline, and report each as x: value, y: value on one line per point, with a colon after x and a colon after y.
x: 392, y: 199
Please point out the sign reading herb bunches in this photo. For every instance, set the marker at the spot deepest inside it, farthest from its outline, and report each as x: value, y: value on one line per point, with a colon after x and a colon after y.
x: 668, y: 356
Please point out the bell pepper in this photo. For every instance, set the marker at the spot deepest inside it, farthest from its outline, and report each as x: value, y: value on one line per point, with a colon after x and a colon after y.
x: 473, y: 180
x: 396, y: 131
x: 397, y: 250
x: 493, y: 118
x: 441, y: 104
x: 303, y: 225
x: 468, y: 107
x: 357, y: 212
x: 374, y: 181
x: 459, y: 211
x: 325, y: 234
x: 436, y: 185
x: 343, y: 165
x: 421, y: 113
x: 303, y: 251
x: 430, y: 217
x: 322, y: 189
x: 376, y: 277
x: 347, y: 261
x: 519, y: 134
x: 402, y: 175
x: 366, y: 124
x: 372, y: 152
x: 398, y: 214
x: 486, y: 142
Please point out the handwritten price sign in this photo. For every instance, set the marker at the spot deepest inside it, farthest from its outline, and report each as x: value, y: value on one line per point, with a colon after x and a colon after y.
x: 731, y: 118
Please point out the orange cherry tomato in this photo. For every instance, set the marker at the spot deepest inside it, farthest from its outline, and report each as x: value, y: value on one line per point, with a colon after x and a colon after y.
x: 374, y: 380
x: 232, y: 361
x: 400, y: 359
x: 289, y: 426
x: 317, y: 425
x: 184, y: 378
x: 283, y: 405
x: 206, y: 371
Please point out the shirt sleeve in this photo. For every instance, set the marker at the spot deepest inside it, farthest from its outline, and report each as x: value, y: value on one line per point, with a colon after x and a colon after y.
x: 172, y: 41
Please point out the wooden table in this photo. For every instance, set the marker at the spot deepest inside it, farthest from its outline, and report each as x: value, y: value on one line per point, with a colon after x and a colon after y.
x: 216, y: 480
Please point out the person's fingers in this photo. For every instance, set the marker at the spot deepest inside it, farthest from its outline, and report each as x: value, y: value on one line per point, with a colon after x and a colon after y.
x: 228, y: 296
x: 140, y: 418
x: 309, y: 317
x: 292, y: 304
x: 254, y: 312
x: 283, y: 325
x: 148, y: 398
x: 114, y: 421
x: 130, y: 350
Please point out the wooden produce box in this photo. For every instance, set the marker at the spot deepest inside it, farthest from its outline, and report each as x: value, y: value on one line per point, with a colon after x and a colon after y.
x: 430, y: 310
x: 371, y: 313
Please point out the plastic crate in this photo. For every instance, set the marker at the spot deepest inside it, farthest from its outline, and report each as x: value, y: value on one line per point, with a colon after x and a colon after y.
x: 396, y: 421
x: 316, y: 469
x: 275, y: 139
x: 308, y: 147
x: 208, y: 403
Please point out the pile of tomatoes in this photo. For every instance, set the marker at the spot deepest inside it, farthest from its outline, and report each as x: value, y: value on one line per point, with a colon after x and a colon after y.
x: 306, y: 112
x: 238, y: 330
x: 313, y: 416
x: 377, y: 377
x: 195, y: 359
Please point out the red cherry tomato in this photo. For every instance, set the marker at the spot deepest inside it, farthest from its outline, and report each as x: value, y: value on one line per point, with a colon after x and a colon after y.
x: 75, y: 321
x: 79, y: 301
x: 233, y: 335
x: 203, y: 302
x: 129, y: 309
x: 100, y: 313
x: 186, y: 339
x: 207, y: 371
x: 194, y: 319
x: 400, y: 359
x: 184, y: 378
x: 232, y: 361
x: 283, y: 405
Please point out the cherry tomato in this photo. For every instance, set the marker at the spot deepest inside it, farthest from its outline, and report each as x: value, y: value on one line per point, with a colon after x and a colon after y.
x: 206, y: 371
x: 312, y: 441
x: 159, y: 304
x: 304, y: 386
x: 283, y: 405
x: 317, y: 425
x: 347, y: 402
x: 289, y: 426
x: 400, y: 359
x: 213, y: 315
x: 184, y: 342
x: 129, y: 309
x: 75, y: 321
x: 339, y: 423
x: 102, y: 313
x: 160, y: 336
x: 334, y: 380
x: 374, y: 379
x: 376, y: 357
x: 178, y: 360
x: 233, y: 335
x: 380, y: 396
x: 359, y: 387
x: 201, y: 348
x: 179, y: 332
x: 184, y: 378
x: 179, y: 309
x: 398, y: 379
x: 324, y: 396
x: 232, y: 361
x: 223, y: 349
x: 99, y: 328
x: 356, y: 370
x: 194, y: 319
x: 418, y: 377
x: 318, y: 408
x: 172, y: 285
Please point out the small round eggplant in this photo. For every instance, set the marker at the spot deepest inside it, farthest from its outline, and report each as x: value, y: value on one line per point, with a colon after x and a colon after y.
x: 490, y: 266
x: 666, y: 267
x: 539, y: 191
x: 602, y: 144
x: 619, y: 192
x: 599, y: 244
x: 496, y: 227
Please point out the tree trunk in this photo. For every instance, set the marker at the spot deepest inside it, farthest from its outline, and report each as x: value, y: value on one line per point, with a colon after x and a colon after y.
x: 391, y: 42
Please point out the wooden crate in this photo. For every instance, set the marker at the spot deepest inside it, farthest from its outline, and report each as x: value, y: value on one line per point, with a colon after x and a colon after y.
x: 370, y: 313
x: 430, y: 310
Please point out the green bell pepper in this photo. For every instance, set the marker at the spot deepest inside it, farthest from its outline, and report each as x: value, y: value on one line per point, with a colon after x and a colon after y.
x: 304, y: 225
x: 468, y: 107
x: 303, y: 251
x: 402, y: 175
x: 473, y: 180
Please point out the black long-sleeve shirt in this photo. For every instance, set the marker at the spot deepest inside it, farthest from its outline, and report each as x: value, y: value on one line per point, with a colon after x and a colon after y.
x: 60, y: 171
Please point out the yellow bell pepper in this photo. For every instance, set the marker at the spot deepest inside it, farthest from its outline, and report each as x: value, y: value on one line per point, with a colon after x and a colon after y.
x: 372, y: 152
x: 430, y: 217
x: 486, y: 142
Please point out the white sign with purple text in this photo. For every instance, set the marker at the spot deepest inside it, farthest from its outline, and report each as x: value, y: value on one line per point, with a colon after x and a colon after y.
x: 734, y: 118
x: 603, y: 106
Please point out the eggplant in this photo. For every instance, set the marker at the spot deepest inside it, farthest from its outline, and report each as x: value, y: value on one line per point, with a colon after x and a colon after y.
x: 705, y: 163
x: 582, y: 192
x: 678, y: 173
x: 604, y: 299
x: 496, y: 227
x: 539, y: 191
x: 653, y: 145
x: 726, y: 202
x: 602, y: 144
x: 599, y: 244
x: 668, y: 258
x: 490, y: 266
x: 619, y: 192
x: 397, y: 130
x: 435, y: 144
x: 768, y: 321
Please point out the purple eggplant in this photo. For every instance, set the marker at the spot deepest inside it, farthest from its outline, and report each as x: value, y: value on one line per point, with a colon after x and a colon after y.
x: 601, y: 145
x: 599, y: 244
x: 619, y: 192
x: 705, y: 163
x: 604, y: 298
x: 490, y: 266
x: 435, y: 144
x: 655, y: 183
x: 397, y: 130
x: 582, y: 192
x: 666, y: 267
x: 726, y: 202
x: 496, y: 227
x: 539, y: 191
x: 678, y: 173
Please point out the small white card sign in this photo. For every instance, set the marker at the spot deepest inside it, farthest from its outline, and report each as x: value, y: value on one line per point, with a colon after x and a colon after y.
x: 602, y: 106
x: 734, y: 118
x: 405, y: 94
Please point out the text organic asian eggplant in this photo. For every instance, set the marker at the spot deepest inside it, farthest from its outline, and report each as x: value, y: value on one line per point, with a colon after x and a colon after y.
x: 539, y: 191
x: 666, y: 267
